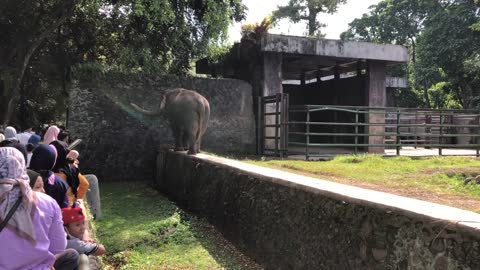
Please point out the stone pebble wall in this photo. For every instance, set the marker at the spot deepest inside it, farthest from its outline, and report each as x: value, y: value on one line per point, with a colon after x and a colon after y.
x: 120, y: 143
x: 282, y: 226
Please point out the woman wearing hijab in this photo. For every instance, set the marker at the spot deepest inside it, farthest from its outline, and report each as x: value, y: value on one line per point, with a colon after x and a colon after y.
x: 69, y: 173
x: 43, y: 161
x: 51, y: 134
x: 34, y: 231
x: 11, y: 134
x: 35, y: 140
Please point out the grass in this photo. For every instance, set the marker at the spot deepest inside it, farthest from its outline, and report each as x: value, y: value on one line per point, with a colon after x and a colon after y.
x: 141, y: 229
x: 439, y: 175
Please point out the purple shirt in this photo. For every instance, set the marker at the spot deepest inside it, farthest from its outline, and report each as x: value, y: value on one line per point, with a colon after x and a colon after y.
x: 18, y: 253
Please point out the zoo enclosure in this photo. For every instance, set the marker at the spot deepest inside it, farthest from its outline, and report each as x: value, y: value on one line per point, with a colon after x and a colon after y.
x: 311, y: 130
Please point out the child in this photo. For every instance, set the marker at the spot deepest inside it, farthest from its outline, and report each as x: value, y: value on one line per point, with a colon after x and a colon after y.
x: 74, y: 222
x: 36, y: 181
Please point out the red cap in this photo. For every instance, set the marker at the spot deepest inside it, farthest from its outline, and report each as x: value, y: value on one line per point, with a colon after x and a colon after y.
x: 70, y: 215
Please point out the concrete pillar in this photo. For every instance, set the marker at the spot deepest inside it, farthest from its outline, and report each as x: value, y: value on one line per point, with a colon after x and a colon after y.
x: 376, y: 93
x: 272, y: 84
x: 93, y: 196
x: 272, y: 73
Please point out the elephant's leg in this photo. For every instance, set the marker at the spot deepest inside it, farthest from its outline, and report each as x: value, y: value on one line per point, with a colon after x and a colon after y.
x: 185, y: 141
x: 197, y: 144
x: 178, y: 136
x: 192, y: 139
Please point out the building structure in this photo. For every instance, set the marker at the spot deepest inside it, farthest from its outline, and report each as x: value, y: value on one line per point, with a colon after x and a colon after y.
x: 315, y: 71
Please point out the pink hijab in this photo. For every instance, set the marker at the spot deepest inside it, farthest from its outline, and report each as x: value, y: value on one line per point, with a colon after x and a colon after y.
x: 51, y: 134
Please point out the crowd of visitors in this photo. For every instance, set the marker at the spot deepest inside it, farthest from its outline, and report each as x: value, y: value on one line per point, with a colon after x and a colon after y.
x: 42, y: 225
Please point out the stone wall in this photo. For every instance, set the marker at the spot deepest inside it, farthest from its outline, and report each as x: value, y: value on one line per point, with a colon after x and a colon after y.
x: 287, y: 221
x: 120, y: 143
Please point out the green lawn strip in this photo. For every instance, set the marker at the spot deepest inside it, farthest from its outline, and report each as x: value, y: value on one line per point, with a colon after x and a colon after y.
x: 141, y: 229
x: 442, y: 175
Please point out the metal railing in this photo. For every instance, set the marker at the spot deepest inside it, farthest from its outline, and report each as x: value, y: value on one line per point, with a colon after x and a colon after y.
x: 359, y: 128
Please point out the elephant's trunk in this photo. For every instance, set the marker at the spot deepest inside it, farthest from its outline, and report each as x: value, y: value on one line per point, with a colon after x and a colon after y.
x: 146, y: 112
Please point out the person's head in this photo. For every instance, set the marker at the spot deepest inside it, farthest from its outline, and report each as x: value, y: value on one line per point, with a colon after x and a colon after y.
x: 35, y: 140
x: 51, y: 134
x: 11, y: 134
x: 64, y: 136
x: 36, y: 181
x: 72, y: 156
x: 29, y: 147
x: 28, y: 128
x: 12, y: 164
x: 43, y: 158
x: 74, y: 221
x: 20, y: 147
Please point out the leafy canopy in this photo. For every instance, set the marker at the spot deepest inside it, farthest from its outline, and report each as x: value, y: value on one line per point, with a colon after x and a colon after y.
x: 307, y: 10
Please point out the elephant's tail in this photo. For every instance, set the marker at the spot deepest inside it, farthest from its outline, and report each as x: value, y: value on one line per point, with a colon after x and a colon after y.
x: 205, y: 111
x: 147, y: 112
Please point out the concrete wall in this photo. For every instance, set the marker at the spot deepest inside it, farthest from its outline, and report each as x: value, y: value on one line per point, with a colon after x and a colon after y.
x: 287, y: 221
x: 120, y: 143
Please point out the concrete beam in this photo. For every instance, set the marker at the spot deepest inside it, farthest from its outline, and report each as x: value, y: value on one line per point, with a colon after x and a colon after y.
x: 334, y: 48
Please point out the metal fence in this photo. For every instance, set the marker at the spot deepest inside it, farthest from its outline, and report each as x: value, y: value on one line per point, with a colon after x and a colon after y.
x: 323, y: 126
x: 320, y: 130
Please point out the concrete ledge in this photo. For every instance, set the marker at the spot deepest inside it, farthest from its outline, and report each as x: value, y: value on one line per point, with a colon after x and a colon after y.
x: 334, y: 48
x: 288, y: 221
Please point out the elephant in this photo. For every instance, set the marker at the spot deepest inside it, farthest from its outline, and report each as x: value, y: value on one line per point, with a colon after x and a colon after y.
x: 187, y: 112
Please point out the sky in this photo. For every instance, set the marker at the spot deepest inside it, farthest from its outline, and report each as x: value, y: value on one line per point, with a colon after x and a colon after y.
x: 336, y: 23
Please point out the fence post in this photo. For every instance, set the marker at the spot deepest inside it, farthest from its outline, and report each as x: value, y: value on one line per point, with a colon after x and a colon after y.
x: 477, y: 139
x: 308, y: 134
x: 356, y: 131
x: 277, y: 116
x: 285, y: 125
x: 440, y: 138
x: 397, y: 137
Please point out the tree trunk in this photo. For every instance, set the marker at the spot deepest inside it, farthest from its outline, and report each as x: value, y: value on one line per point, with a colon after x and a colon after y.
x: 23, y: 60
x: 312, y: 23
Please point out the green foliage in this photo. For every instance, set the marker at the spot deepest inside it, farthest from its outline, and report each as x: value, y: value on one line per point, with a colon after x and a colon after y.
x: 255, y: 30
x: 437, y: 175
x: 442, y: 45
x: 143, y: 230
x: 153, y: 36
x: 307, y: 10
x: 446, y: 48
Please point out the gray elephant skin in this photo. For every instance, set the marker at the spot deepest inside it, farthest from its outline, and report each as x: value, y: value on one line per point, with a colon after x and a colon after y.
x: 187, y: 112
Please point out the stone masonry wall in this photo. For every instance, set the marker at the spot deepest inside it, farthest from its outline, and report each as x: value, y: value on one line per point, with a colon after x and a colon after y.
x: 120, y: 143
x: 287, y: 221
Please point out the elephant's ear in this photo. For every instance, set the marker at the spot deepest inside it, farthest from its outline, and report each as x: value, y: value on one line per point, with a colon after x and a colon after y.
x: 162, y: 102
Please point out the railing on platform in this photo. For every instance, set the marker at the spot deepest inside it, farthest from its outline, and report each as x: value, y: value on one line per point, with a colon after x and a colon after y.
x: 311, y: 127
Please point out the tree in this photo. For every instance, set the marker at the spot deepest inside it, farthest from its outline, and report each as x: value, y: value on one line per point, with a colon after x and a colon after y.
x: 394, y: 21
x: 443, y: 43
x: 24, y: 25
x: 449, y: 50
x: 141, y: 35
x: 307, y: 10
